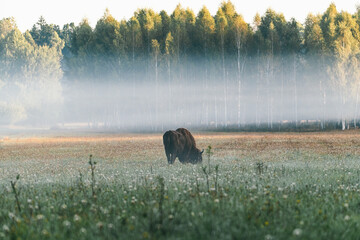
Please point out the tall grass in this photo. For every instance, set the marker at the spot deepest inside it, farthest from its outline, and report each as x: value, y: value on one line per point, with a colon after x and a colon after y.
x: 306, y: 196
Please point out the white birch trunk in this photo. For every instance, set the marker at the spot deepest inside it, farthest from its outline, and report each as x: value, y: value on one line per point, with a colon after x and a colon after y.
x: 239, y: 80
x: 356, y: 105
x: 156, y: 92
x: 169, y: 89
x: 295, y: 92
x: 216, y: 114
x: 224, y: 79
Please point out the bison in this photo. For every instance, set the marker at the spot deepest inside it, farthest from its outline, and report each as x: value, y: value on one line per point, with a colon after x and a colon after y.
x: 181, y: 144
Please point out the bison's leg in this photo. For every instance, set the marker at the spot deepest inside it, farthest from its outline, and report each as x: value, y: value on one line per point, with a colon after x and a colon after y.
x: 169, y: 156
x: 173, y: 157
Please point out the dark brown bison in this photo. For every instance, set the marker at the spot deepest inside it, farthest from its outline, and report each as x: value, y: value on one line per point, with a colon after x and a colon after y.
x: 181, y: 144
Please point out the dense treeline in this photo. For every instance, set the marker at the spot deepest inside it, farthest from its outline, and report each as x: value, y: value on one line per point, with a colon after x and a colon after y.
x: 270, y: 71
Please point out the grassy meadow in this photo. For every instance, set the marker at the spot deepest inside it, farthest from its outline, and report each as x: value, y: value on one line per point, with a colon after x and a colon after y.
x: 255, y: 186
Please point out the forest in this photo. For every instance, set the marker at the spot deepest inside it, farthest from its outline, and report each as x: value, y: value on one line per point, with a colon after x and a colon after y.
x: 158, y: 70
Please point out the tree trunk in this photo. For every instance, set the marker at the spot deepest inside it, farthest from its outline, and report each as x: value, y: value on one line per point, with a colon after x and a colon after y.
x: 216, y: 114
x: 356, y: 105
x: 169, y: 89
x: 206, y: 103
x: 343, y: 122
x: 224, y: 79
x: 156, y: 92
x: 257, y: 91
x: 268, y: 93
x: 282, y: 98
x: 133, y: 63
x: 295, y: 92
x: 272, y: 78
x: 239, y: 82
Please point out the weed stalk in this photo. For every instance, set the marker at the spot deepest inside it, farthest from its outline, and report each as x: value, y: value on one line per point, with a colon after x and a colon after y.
x: 161, y: 198
x: 16, y: 192
x: 216, y: 177
x: 209, y: 153
x: 260, y: 167
x: 93, y: 181
x: 207, y: 178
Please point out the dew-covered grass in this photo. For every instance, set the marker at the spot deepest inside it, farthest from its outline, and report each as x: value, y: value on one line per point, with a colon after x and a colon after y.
x: 266, y: 186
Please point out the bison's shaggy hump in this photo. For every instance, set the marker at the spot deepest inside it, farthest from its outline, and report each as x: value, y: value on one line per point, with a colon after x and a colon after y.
x: 181, y: 144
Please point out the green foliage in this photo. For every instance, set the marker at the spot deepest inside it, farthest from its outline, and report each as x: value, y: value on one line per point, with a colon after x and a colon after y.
x: 30, y: 73
x: 328, y: 27
x: 313, y: 39
x: 327, y: 45
x: 107, y: 37
x: 134, y: 30
x: 205, y: 25
x: 6, y: 26
x: 155, y: 46
x: 169, y: 44
x: 46, y: 35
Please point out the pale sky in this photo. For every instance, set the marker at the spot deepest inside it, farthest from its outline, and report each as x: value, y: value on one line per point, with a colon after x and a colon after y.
x: 27, y: 12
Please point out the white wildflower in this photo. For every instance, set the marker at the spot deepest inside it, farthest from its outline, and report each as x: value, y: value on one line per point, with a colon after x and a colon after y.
x: 5, y: 228
x: 297, y: 232
x: 11, y: 215
x: 99, y: 225
x: 67, y: 223
x: 77, y: 218
x: 268, y: 237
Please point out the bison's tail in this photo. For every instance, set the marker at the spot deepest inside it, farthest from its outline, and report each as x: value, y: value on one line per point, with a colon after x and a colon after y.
x: 167, y: 139
x: 168, y: 145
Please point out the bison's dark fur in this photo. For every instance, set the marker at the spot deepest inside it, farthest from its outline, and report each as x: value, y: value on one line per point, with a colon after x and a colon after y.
x: 181, y: 144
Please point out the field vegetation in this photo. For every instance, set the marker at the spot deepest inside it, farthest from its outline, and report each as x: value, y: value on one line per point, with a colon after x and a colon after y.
x: 253, y: 186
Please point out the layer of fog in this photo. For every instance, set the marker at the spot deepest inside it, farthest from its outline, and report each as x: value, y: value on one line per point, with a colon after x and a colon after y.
x: 155, y: 105
x: 151, y: 107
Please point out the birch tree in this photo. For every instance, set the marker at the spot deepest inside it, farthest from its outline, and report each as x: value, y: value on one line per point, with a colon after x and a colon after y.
x: 314, y: 46
x: 221, y: 27
x: 169, y: 52
x: 241, y: 32
x: 205, y: 26
x: 156, y: 51
x: 346, y: 46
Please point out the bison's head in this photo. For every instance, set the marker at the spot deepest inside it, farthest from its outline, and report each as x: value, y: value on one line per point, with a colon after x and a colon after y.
x: 199, y: 156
